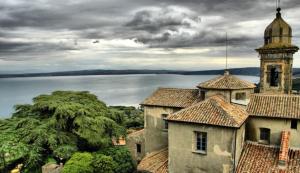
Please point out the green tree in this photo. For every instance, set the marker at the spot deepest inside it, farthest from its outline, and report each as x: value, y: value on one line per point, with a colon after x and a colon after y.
x: 104, y: 164
x: 79, y: 163
x: 122, y: 157
x: 58, y: 125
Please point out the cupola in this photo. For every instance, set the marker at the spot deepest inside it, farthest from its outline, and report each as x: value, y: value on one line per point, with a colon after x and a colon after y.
x: 278, y: 33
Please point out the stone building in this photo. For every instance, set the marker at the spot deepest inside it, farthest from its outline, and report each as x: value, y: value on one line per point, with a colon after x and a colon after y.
x: 277, y: 57
x: 223, y: 126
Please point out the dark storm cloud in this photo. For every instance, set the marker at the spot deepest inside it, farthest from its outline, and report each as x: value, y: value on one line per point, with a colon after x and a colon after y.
x: 27, y: 26
x: 19, y: 48
x: 143, y: 20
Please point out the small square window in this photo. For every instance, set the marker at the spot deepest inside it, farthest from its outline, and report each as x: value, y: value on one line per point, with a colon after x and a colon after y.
x: 294, y: 124
x: 138, y: 148
x: 265, y: 134
x: 165, y: 122
x: 201, y: 141
x: 202, y: 95
x: 240, y: 96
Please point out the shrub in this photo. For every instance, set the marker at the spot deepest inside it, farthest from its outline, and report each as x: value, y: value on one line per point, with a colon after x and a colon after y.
x: 103, y: 164
x: 79, y: 163
x: 122, y: 157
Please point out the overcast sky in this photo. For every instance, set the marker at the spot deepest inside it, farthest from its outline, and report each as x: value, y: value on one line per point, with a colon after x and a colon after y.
x: 56, y: 35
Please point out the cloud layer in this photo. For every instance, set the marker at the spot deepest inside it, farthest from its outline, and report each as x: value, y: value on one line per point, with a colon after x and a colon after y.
x: 53, y: 35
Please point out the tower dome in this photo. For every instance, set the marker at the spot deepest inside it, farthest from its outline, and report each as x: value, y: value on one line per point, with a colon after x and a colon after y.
x: 278, y: 33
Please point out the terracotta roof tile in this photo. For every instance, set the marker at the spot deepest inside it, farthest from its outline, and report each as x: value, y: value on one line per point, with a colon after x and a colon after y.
x: 284, y: 147
x: 257, y: 158
x: 172, y: 97
x: 155, y: 162
x: 136, y: 133
x: 215, y: 111
x: 278, y: 106
x: 226, y: 81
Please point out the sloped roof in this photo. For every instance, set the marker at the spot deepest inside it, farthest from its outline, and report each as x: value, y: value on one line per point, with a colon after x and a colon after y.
x: 172, y: 97
x: 276, y: 106
x: 226, y: 81
x: 214, y: 111
x: 136, y: 133
x: 155, y: 162
x: 263, y: 158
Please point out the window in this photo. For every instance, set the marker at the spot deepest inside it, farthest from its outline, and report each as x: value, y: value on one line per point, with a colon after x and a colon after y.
x: 201, y: 141
x: 274, y: 75
x: 138, y: 148
x: 240, y: 96
x: 165, y: 122
x: 294, y: 124
x: 265, y: 134
x: 202, y: 95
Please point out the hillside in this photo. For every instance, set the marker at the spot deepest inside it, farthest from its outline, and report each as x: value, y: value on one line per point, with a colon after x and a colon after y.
x: 296, y: 84
x: 251, y: 71
x: 248, y: 71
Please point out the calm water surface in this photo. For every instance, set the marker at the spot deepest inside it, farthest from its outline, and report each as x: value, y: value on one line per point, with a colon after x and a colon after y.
x: 112, y: 89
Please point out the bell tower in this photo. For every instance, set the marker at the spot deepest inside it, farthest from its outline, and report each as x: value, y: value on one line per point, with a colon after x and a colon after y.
x: 276, y: 57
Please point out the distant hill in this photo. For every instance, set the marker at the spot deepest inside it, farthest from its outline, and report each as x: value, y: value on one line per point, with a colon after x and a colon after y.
x: 249, y: 71
x: 296, y: 84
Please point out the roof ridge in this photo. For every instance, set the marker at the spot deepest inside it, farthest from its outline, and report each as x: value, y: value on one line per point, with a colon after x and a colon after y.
x: 170, y: 88
x: 220, y: 108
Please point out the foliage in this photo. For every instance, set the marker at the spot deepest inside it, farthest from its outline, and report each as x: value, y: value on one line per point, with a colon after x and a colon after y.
x: 132, y: 117
x: 79, y: 163
x: 58, y: 125
x: 104, y: 164
x: 122, y: 157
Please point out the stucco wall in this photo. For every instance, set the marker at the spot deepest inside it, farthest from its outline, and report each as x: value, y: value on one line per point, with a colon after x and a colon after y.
x: 156, y: 137
x: 240, y: 140
x: 230, y: 95
x: 182, y: 158
x: 225, y: 93
x: 276, y: 126
x: 131, y: 143
x: 242, y: 102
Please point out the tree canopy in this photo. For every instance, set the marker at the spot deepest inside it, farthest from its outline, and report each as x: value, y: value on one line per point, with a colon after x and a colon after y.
x: 58, y: 125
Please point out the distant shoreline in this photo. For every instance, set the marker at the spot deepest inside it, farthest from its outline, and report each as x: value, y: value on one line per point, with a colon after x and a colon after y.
x: 247, y: 71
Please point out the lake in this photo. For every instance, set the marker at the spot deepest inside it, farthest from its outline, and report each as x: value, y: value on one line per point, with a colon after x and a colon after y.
x: 113, y: 89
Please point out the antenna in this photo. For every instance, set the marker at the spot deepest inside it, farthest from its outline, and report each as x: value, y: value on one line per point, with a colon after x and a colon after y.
x: 277, y: 4
x: 226, y: 52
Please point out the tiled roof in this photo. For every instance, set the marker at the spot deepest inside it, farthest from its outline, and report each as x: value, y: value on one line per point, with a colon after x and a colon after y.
x: 257, y: 158
x: 136, y: 133
x: 214, y: 111
x: 172, y: 97
x: 284, y: 147
x: 155, y: 162
x: 278, y: 106
x: 226, y: 81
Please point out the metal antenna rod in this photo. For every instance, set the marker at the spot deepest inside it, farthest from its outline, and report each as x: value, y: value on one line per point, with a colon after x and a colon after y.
x: 226, y: 52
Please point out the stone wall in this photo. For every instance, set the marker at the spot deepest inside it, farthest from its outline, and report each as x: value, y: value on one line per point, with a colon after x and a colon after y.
x: 285, y: 62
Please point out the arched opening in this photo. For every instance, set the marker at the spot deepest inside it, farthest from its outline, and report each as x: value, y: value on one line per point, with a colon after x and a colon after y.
x: 274, y: 76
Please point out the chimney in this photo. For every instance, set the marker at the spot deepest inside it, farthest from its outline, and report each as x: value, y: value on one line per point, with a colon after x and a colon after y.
x: 284, y: 150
